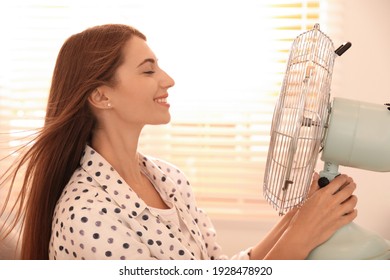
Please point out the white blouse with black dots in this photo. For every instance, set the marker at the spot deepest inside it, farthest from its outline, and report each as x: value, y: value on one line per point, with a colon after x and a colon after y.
x: 99, y: 216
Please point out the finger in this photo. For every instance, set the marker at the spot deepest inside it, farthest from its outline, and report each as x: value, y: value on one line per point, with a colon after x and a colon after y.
x: 349, y: 217
x: 345, y: 192
x: 348, y: 206
x: 336, y: 184
x: 349, y: 181
x: 314, y: 184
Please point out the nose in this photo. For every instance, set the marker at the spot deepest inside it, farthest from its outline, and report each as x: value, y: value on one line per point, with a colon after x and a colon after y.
x: 167, y: 81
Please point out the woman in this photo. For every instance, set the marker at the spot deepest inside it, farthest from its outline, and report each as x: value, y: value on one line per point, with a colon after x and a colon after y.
x: 89, y: 194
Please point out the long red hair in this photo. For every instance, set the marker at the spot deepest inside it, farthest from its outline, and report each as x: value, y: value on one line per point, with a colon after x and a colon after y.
x: 86, y: 61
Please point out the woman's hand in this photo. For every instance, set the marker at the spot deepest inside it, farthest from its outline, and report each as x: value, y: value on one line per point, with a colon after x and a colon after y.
x: 306, y: 227
x: 324, y: 212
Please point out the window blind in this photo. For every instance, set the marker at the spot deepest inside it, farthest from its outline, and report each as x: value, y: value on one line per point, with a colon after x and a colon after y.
x: 228, y: 60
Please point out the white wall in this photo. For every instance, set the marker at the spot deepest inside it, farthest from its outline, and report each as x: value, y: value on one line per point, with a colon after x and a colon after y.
x: 362, y: 73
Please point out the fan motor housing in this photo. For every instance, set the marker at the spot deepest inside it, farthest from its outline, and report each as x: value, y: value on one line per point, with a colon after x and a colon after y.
x: 358, y: 135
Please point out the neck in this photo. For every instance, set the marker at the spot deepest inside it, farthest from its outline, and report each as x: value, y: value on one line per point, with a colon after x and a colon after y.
x: 120, y: 150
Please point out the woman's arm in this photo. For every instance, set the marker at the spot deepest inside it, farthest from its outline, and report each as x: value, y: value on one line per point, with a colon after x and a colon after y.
x: 262, y: 248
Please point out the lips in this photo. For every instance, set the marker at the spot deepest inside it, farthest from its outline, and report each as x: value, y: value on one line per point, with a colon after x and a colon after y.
x: 161, y: 99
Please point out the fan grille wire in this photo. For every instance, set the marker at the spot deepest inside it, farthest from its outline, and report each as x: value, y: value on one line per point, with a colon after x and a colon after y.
x: 299, y: 120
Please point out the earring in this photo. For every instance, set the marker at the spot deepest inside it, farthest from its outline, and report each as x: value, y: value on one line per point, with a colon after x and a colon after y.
x: 109, y: 105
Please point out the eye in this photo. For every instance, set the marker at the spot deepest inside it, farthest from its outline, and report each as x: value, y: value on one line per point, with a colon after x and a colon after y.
x: 149, y: 72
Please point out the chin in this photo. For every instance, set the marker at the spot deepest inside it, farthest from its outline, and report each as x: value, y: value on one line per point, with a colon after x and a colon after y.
x: 167, y: 119
x: 164, y: 120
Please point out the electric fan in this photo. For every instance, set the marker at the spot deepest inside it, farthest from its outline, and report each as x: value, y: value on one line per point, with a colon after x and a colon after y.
x: 306, y: 123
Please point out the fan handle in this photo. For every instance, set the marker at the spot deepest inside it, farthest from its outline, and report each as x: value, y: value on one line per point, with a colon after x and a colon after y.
x: 329, y: 172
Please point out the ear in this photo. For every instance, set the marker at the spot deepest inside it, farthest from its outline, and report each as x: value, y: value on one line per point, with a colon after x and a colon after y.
x: 99, y: 99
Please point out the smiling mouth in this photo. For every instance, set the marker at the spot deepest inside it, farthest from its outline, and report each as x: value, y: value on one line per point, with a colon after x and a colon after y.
x: 161, y: 100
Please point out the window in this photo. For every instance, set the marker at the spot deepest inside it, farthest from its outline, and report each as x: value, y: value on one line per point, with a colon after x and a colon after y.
x: 227, y: 58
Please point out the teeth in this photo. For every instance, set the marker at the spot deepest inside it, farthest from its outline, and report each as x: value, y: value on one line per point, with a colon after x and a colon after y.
x: 161, y: 100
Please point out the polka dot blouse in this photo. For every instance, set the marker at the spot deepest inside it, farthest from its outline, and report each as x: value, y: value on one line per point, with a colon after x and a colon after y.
x: 99, y: 216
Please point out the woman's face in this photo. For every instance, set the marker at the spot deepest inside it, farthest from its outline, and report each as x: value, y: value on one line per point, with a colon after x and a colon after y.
x: 140, y: 93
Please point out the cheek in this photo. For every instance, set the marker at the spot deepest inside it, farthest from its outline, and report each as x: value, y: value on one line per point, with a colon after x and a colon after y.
x: 136, y: 96
x: 143, y: 89
x: 134, y: 101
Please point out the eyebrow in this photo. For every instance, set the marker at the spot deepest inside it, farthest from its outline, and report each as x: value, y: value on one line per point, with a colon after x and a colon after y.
x: 150, y: 60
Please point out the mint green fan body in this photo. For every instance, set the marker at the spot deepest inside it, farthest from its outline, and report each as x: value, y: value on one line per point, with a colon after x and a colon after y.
x: 357, y: 136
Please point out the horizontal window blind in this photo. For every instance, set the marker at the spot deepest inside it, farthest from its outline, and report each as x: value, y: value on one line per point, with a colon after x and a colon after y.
x: 228, y: 60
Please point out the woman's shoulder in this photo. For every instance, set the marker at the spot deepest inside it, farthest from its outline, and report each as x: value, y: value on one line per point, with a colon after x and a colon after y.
x: 81, y: 189
x: 165, y: 166
x: 172, y: 173
x: 169, y: 169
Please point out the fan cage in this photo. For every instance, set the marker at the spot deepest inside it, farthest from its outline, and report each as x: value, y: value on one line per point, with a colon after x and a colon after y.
x: 299, y: 120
